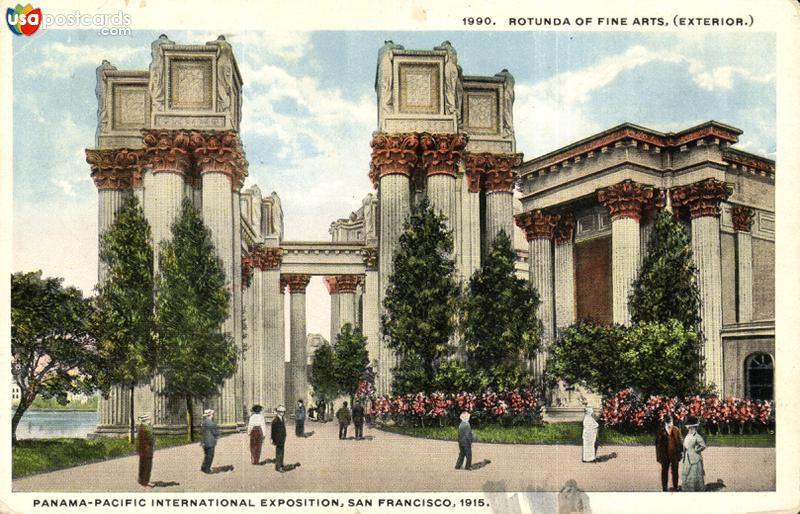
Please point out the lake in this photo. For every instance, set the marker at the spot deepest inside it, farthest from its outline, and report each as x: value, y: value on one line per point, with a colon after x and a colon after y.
x: 40, y: 424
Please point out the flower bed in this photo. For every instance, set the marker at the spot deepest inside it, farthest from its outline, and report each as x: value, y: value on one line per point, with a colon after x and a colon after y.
x: 508, y: 408
x: 627, y: 411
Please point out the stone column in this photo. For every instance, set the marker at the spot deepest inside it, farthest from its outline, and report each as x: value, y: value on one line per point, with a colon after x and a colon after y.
x: 701, y: 200
x: 394, y: 157
x: 251, y: 339
x: 625, y: 202
x: 499, y: 187
x: 742, y: 223
x: 297, y: 289
x: 241, y: 408
x: 112, y: 173
x: 474, y: 168
x: 271, y: 356
x: 539, y: 227
x: 220, y: 164
x: 440, y: 156
x: 333, y: 290
x: 371, y: 328
x: 564, y: 271
x: 347, y: 298
x: 167, y: 163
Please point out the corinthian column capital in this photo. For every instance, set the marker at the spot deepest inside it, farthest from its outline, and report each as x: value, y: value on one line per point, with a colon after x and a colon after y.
x: 537, y: 224
x: 266, y: 258
x: 393, y: 155
x: 441, y: 152
x: 700, y: 198
x: 297, y: 282
x: 564, y: 229
x: 167, y: 151
x: 219, y: 152
x: 500, y: 173
x: 114, y: 169
x: 627, y: 199
x: 742, y: 218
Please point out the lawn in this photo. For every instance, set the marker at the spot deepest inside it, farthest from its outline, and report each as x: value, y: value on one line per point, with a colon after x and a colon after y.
x: 32, y: 456
x: 567, y: 433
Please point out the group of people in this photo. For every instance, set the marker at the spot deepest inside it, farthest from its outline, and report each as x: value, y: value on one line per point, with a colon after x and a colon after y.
x: 257, y: 431
x: 344, y: 416
x: 672, y: 450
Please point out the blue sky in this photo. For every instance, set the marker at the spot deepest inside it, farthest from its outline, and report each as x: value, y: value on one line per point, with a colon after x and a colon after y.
x: 309, y: 111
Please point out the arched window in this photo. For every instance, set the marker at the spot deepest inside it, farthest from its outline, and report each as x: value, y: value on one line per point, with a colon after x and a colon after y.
x: 759, y: 374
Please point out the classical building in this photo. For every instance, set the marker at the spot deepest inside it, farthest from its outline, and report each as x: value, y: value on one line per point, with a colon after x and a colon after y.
x: 171, y: 132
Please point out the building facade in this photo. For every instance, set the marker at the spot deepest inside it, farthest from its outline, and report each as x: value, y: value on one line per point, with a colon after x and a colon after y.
x: 171, y: 132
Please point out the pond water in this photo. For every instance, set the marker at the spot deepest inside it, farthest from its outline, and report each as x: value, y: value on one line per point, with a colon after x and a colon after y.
x: 40, y: 424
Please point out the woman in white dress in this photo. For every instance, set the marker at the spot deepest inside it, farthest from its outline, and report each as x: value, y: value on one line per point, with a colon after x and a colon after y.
x: 257, y: 430
x: 590, y: 426
x: 693, y: 475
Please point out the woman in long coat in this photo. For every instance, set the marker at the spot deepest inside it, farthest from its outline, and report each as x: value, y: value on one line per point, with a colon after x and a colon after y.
x: 145, y: 446
x: 693, y: 475
x: 590, y: 426
x: 257, y: 430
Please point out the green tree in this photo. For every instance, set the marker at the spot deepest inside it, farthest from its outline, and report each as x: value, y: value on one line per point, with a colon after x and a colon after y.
x: 322, y: 375
x: 193, y: 354
x: 350, y: 360
x: 500, y: 330
x: 53, y: 349
x: 666, y: 287
x: 421, y: 299
x: 124, y: 319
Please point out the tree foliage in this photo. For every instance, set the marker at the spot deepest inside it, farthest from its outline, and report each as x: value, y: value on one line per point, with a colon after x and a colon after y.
x: 124, y: 320
x: 53, y: 348
x: 500, y: 329
x: 323, y: 374
x: 193, y: 354
x: 421, y: 299
x: 351, y: 360
x: 666, y: 287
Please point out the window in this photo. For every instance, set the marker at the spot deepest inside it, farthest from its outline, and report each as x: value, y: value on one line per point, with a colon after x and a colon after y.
x: 759, y: 376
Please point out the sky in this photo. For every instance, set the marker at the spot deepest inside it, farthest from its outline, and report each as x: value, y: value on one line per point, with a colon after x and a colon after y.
x: 309, y: 111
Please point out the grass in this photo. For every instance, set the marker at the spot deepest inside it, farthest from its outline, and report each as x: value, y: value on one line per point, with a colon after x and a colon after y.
x: 568, y: 433
x: 32, y: 456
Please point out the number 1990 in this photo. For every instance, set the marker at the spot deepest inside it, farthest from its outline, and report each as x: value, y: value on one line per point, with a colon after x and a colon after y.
x: 477, y: 21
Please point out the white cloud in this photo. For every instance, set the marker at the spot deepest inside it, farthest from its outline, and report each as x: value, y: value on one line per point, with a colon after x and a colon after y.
x: 61, y: 59
x: 723, y: 77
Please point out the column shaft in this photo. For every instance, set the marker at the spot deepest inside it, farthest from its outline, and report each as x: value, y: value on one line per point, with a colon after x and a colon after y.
x: 347, y: 309
x: 250, y: 341
x: 564, y: 285
x: 236, y: 289
x: 499, y: 216
x: 625, y: 251
x: 441, y: 190
x: 541, y: 273
x: 744, y: 274
x: 706, y: 250
x: 298, y: 346
x: 336, y: 325
x: 371, y: 328
x: 273, y: 354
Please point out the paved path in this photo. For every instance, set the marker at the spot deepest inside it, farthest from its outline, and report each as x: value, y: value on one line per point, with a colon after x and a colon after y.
x: 391, y: 462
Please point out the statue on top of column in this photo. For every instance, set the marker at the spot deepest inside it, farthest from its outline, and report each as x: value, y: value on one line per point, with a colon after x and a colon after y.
x: 453, y: 87
x: 384, y: 78
x: 101, y: 92
x: 224, y: 72
x: 370, y: 207
x: 508, y: 103
x: 156, y: 86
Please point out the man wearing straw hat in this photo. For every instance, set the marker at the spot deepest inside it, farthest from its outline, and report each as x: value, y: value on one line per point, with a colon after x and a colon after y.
x: 208, y: 439
x: 278, y: 436
x: 145, y: 446
x: 464, y: 442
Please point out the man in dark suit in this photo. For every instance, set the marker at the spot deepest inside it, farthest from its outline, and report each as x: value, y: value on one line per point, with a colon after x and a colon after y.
x: 358, y: 419
x: 343, y: 416
x: 669, y: 450
x: 208, y: 439
x: 464, y: 442
x: 278, y: 436
x: 300, y: 419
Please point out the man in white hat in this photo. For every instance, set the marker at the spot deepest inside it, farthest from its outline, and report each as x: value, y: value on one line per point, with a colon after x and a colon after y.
x: 278, y: 436
x: 208, y: 439
x: 464, y: 442
x: 145, y: 446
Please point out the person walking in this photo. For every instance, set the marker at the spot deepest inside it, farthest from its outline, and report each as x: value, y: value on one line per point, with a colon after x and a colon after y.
x: 278, y: 436
x: 464, y: 442
x: 257, y: 430
x: 208, y: 439
x: 358, y: 419
x: 669, y: 450
x: 321, y: 411
x: 343, y: 416
x: 590, y: 427
x: 145, y: 446
x: 300, y: 419
x: 693, y: 475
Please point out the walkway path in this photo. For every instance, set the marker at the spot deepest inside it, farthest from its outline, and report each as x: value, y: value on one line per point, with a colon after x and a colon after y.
x: 391, y: 462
